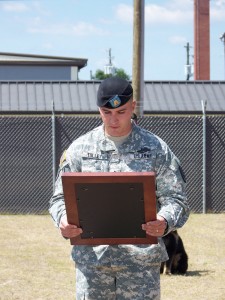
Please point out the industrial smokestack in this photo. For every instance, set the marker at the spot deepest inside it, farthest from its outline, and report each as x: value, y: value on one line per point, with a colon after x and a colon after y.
x: 202, y: 40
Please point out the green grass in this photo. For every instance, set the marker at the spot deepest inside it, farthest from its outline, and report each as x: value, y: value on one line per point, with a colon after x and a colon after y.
x: 35, y: 260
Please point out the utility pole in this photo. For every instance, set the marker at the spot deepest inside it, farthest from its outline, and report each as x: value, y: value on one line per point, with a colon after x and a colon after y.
x: 188, y: 70
x: 222, y: 38
x: 138, y: 56
x: 110, y: 57
x: 109, y: 69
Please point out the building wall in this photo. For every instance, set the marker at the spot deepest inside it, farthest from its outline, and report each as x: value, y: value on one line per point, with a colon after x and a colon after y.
x: 37, y: 72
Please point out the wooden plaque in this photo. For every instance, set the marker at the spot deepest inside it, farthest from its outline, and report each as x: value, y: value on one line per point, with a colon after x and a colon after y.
x: 110, y: 207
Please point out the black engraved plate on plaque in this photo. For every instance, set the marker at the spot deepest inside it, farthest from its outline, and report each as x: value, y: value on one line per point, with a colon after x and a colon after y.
x: 116, y: 211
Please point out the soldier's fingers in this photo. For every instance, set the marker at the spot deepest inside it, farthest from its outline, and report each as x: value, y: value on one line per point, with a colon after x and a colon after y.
x: 71, y: 232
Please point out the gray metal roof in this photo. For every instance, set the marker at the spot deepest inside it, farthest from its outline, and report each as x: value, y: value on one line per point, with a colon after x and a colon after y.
x: 80, y: 96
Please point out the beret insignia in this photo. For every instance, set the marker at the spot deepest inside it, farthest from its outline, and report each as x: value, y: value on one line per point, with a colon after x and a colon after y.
x: 115, y: 101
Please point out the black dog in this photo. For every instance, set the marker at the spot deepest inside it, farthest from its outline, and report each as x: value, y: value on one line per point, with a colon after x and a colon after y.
x: 178, y: 259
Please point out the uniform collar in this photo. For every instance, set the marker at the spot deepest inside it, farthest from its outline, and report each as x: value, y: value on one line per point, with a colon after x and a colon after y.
x: 106, y: 145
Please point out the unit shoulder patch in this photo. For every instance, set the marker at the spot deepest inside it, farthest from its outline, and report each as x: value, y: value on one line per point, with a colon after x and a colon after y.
x: 62, y: 159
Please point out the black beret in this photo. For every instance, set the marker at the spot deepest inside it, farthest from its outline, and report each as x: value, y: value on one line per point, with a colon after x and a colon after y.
x: 114, y: 92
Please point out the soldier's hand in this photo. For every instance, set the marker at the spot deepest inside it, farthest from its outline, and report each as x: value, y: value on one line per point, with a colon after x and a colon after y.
x: 155, y: 228
x: 68, y: 230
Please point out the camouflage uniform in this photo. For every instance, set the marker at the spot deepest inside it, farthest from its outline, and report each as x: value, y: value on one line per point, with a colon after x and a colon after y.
x: 141, y: 151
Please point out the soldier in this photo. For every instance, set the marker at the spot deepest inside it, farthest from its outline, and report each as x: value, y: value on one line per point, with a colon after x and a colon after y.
x: 122, y: 271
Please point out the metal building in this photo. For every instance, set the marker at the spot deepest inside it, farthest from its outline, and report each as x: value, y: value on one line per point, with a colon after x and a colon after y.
x: 15, y: 66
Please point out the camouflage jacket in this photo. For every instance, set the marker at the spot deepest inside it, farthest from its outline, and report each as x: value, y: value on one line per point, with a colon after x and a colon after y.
x: 141, y: 151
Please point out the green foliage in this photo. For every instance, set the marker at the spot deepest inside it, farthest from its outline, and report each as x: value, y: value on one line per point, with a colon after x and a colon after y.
x: 100, y: 75
x: 122, y: 74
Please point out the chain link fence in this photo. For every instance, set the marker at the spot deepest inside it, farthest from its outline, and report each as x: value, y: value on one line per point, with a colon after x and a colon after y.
x: 26, y: 152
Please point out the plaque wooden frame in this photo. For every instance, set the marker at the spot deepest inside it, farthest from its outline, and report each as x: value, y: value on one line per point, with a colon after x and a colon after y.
x: 95, y: 202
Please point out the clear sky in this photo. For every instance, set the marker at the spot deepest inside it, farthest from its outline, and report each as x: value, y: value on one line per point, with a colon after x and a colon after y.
x: 88, y: 28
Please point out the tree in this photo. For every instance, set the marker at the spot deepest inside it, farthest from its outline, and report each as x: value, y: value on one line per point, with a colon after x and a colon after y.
x: 100, y: 75
x: 122, y: 74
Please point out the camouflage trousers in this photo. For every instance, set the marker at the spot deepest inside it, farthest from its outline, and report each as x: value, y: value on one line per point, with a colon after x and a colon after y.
x: 117, y: 283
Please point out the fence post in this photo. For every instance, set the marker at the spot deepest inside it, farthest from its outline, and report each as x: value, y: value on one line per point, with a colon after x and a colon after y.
x: 204, y: 103
x: 53, y: 147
